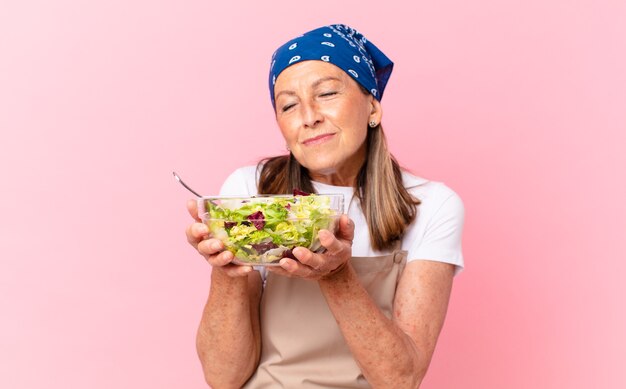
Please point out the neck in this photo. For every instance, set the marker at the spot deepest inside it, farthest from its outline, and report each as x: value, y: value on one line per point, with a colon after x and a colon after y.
x: 343, y: 175
x: 334, y: 179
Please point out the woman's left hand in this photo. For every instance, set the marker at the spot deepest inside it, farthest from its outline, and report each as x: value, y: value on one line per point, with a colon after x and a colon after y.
x: 316, y: 266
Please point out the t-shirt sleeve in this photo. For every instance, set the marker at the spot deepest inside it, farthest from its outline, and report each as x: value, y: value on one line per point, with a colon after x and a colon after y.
x: 241, y: 182
x: 442, y: 234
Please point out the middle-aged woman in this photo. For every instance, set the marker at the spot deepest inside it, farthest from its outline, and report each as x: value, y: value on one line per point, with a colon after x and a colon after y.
x: 368, y: 311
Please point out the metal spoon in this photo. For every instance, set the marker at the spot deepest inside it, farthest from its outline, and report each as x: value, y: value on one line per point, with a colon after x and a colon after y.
x: 185, y: 185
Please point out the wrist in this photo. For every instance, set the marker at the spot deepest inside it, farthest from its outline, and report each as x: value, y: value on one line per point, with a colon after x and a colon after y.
x: 221, y: 277
x: 341, y: 272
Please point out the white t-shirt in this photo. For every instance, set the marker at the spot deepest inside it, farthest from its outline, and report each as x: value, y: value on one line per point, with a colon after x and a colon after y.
x: 434, y: 235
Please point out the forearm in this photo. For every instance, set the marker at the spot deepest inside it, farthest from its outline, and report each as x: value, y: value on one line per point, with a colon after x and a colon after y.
x: 386, y: 355
x: 228, y: 339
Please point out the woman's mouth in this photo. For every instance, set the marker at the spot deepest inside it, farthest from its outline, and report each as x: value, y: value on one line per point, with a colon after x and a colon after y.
x: 318, y: 139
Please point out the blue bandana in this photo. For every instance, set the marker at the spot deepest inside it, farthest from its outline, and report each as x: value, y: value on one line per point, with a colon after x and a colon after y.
x: 344, y: 47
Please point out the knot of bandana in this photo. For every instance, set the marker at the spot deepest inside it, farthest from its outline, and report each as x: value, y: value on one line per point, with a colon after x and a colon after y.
x: 344, y: 47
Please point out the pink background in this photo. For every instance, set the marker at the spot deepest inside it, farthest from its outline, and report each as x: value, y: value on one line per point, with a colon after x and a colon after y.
x: 520, y: 106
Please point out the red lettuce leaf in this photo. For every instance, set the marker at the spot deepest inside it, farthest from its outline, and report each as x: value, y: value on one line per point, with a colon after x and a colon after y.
x: 298, y: 192
x: 258, y: 219
x: 263, y: 247
x: 288, y: 254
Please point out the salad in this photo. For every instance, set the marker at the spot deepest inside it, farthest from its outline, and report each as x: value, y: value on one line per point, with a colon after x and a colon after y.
x: 264, y: 229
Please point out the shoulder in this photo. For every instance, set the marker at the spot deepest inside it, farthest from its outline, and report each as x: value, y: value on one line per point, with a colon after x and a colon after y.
x: 436, y: 232
x: 435, y: 196
x: 241, y: 182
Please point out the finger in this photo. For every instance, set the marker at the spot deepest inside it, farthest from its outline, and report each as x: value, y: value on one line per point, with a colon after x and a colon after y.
x: 279, y: 270
x: 346, y: 228
x: 308, y: 258
x: 192, y: 208
x: 221, y: 259
x: 288, y: 264
x: 196, y: 232
x: 333, y: 245
x: 210, y: 247
x: 290, y: 268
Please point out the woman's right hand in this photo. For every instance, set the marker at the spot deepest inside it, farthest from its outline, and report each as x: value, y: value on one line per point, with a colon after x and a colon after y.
x: 211, y: 249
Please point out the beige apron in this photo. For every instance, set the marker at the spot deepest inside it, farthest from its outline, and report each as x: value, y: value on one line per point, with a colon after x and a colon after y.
x: 302, y: 346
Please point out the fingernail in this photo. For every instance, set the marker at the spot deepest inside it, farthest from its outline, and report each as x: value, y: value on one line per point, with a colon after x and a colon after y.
x: 228, y: 256
x: 216, y: 246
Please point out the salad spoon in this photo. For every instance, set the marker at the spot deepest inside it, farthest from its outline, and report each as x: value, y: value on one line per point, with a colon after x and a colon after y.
x: 185, y: 185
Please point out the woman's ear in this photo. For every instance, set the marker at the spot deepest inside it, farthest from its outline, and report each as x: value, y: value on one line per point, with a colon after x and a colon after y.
x: 377, y: 112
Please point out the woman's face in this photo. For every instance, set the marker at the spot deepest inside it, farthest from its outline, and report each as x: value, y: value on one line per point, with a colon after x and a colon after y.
x: 323, y: 115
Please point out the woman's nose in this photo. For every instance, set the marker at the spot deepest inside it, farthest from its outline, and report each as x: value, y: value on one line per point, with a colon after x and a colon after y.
x: 311, y: 115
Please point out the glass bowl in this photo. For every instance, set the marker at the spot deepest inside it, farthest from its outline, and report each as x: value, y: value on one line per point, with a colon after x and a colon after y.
x: 260, y: 230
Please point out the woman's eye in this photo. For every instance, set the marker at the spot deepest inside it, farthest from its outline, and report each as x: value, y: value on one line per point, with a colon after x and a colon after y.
x: 327, y: 94
x: 287, y: 107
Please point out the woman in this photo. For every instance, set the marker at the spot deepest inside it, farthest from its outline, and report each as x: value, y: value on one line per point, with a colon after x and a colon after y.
x: 368, y: 311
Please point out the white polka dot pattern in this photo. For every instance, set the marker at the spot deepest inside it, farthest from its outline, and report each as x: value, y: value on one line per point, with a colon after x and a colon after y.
x: 342, y: 46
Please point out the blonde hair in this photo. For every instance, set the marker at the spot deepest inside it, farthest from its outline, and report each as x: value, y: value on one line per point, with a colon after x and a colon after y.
x: 388, y: 207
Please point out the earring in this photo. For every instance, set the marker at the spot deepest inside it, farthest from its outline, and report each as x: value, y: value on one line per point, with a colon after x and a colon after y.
x: 287, y: 147
x: 373, y: 124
